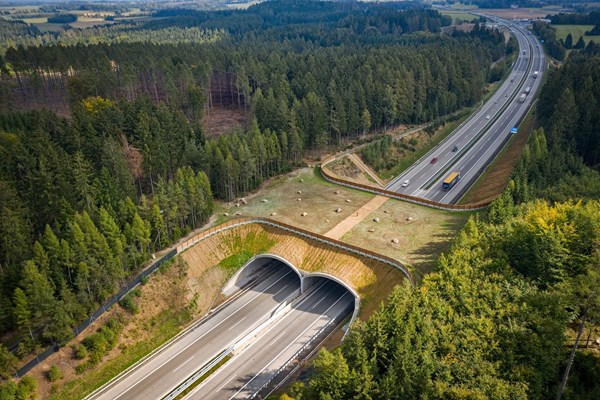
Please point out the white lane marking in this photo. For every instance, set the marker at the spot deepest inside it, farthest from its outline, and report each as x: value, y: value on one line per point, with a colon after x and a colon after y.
x: 291, y: 344
x: 319, y: 302
x: 197, y: 339
x: 183, y: 363
x: 268, y: 329
x: 444, y: 146
x: 236, y: 324
x: 268, y: 344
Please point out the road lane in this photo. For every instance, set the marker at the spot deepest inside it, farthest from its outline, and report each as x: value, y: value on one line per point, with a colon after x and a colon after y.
x: 158, y: 375
x: 426, y: 177
x: 247, y: 371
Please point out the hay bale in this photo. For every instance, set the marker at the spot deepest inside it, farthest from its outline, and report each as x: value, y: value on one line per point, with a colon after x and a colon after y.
x: 376, y: 219
x: 264, y: 200
x: 348, y: 201
x: 337, y: 192
x: 238, y: 213
x: 371, y: 230
x: 273, y: 214
x: 301, y: 180
x: 226, y: 214
x: 409, y: 219
x: 338, y: 210
x: 396, y: 241
x: 298, y: 199
x: 299, y: 192
x: 304, y: 214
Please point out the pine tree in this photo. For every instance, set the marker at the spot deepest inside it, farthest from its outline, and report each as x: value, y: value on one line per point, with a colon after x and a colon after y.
x: 22, y: 313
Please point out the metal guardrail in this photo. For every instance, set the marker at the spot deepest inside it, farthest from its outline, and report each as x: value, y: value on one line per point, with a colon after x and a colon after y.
x: 399, y: 196
x: 297, y: 355
x: 202, y: 371
x: 300, y: 232
x: 187, y: 244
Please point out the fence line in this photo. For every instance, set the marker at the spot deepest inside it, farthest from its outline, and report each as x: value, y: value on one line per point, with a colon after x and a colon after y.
x: 300, y: 232
x: 399, y: 196
x: 194, y: 240
x: 96, y: 314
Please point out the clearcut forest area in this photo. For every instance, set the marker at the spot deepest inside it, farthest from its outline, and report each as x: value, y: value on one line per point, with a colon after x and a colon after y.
x: 128, y: 127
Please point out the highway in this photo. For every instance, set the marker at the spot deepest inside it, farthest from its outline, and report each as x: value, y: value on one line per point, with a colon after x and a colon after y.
x: 160, y: 373
x: 243, y: 375
x: 476, y: 142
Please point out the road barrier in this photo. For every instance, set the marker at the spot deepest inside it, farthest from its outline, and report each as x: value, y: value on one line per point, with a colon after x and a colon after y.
x: 290, y: 365
x: 194, y: 240
x: 398, y: 196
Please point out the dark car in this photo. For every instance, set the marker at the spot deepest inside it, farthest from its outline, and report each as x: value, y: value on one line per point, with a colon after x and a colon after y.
x: 455, y: 148
x: 434, y: 160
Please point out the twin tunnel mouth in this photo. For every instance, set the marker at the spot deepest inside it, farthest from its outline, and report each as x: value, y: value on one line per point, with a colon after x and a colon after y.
x: 290, y: 282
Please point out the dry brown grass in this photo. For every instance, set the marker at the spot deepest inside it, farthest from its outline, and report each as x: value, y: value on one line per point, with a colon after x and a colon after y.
x: 495, y: 177
x: 345, y: 169
x: 223, y: 120
x: 164, y: 291
x: 372, y: 280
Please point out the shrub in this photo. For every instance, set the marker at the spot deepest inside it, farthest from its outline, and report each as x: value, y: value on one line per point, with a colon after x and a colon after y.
x: 54, y: 374
x: 27, y: 388
x: 129, y: 304
x: 80, y: 352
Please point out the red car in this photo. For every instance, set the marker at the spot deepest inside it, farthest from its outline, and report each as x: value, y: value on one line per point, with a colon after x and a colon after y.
x: 434, y: 160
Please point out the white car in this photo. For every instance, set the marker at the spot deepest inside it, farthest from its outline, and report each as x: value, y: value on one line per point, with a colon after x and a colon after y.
x: 405, y: 183
x: 488, y: 116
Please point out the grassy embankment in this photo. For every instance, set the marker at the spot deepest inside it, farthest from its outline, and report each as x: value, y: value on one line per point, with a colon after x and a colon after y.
x: 170, y: 300
x: 495, y: 177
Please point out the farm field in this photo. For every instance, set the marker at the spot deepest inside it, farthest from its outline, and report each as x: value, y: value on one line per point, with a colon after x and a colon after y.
x: 520, y: 13
x: 562, y: 31
x: 457, y: 15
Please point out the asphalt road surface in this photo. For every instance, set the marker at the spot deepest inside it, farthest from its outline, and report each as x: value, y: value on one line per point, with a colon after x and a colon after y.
x: 161, y: 373
x: 475, y: 143
x: 255, y: 365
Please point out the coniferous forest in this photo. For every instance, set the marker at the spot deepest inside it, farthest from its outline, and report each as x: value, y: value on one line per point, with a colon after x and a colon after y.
x: 105, y: 161
x: 86, y: 199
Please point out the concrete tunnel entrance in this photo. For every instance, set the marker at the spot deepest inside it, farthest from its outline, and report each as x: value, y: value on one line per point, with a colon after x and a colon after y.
x: 265, y: 263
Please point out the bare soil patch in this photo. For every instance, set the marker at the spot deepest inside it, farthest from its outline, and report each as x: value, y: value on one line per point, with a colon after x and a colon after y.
x: 372, y: 280
x: 340, y: 229
x: 224, y: 119
x: 345, y: 169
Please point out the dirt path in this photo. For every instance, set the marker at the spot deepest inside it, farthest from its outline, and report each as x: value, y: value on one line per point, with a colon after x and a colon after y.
x: 344, y: 226
x: 355, y: 158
